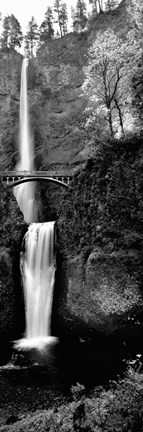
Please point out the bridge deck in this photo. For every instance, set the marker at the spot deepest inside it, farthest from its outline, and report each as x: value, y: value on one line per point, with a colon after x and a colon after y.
x: 35, y: 174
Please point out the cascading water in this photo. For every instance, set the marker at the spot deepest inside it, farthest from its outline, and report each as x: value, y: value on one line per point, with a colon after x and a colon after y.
x: 38, y: 274
x: 37, y: 263
x: 25, y: 192
x: 39, y: 278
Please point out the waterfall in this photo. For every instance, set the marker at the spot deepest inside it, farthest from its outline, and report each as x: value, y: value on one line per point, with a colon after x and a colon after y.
x: 38, y: 270
x: 25, y: 192
x: 38, y: 278
x: 37, y: 262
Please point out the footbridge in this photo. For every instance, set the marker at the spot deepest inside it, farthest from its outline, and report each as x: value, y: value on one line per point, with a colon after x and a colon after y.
x: 14, y: 178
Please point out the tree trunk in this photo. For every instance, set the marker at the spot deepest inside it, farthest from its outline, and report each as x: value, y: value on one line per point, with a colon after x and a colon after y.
x: 100, y: 5
x: 110, y: 121
x: 60, y: 24
x: 120, y: 115
x: 108, y: 101
x: 60, y: 30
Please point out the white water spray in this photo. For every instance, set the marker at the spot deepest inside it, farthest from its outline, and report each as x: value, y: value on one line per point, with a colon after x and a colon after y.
x: 25, y: 192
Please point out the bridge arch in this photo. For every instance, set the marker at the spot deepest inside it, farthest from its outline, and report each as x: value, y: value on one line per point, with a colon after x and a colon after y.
x: 28, y: 179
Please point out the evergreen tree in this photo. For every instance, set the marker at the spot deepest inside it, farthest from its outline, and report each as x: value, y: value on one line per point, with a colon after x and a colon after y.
x: 46, y: 28
x: 57, y: 34
x: 12, y: 34
x: 31, y: 37
x: 79, y: 16
x: 5, y: 32
x: 98, y: 5
x: 15, y: 33
x: 64, y: 17
x: 57, y: 9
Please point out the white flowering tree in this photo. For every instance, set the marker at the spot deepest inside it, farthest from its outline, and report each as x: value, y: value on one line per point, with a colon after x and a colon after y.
x: 112, y: 62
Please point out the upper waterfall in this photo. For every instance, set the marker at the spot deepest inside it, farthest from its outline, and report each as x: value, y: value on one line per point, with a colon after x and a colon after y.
x: 25, y: 193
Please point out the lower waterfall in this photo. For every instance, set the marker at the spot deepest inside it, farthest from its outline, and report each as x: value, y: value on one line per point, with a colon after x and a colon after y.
x: 38, y: 274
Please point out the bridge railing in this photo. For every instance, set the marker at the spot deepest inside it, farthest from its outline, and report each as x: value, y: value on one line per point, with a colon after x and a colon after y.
x: 25, y: 173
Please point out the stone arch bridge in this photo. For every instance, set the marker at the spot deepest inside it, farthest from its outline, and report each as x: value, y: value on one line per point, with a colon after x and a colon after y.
x: 14, y: 178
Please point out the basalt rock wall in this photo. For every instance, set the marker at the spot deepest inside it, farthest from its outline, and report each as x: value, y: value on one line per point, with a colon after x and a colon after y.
x: 12, y: 229
x: 57, y: 108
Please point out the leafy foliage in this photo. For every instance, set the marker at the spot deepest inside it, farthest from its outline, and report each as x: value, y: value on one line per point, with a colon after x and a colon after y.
x: 104, y: 203
x: 135, y: 13
x: 118, y: 408
x: 137, y: 83
x: 108, y: 76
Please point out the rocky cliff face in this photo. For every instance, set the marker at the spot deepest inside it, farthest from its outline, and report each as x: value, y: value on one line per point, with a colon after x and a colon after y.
x: 12, y: 229
x: 10, y: 69
x: 100, y: 235
x: 101, y: 294
x: 58, y: 107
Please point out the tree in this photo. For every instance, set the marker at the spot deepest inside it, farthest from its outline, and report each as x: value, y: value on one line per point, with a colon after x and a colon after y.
x: 12, y: 34
x: 46, y: 28
x: 79, y: 16
x: 63, y: 17
x: 5, y: 32
x: 108, y: 75
x: 112, y: 4
x: 57, y: 8
x: 98, y: 5
x: 15, y: 33
x: 31, y: 37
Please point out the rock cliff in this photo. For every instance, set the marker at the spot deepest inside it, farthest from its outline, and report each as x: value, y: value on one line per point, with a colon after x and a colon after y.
x: 59, y: 108
x: 12, y: 229
x: 100, y: 272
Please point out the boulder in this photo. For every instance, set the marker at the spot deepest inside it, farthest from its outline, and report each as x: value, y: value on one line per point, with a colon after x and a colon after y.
x: 100, y: 294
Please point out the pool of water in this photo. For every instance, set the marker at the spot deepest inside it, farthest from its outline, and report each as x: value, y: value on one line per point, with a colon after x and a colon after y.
x: 34, y: 379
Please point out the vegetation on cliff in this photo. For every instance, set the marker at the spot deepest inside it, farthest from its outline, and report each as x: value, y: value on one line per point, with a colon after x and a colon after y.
x: 11, y: 35
x: 104, y: 201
